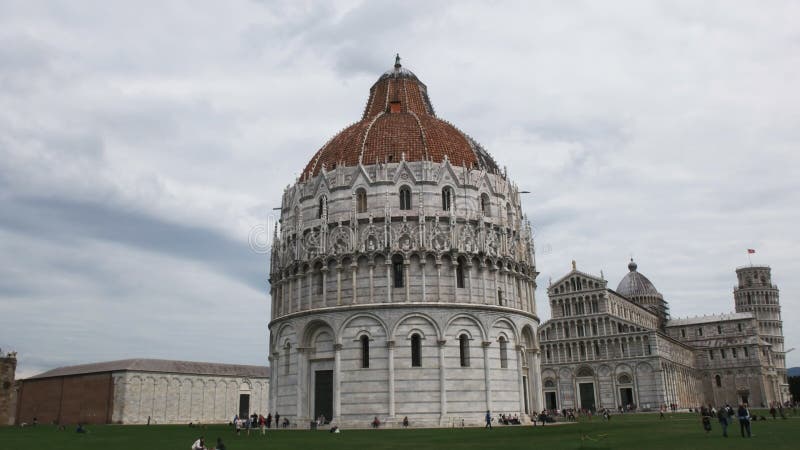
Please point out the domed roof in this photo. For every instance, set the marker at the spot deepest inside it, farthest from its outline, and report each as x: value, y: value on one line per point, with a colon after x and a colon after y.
x: 399, y: 121
x: 635, y: 284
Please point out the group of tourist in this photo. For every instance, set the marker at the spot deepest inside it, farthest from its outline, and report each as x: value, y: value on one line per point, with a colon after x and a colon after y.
x: 725, y: 416
x: 255, y: 421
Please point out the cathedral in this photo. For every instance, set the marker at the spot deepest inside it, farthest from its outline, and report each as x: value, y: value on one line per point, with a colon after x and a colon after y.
x: 614, y: 349
x: 402, y: 276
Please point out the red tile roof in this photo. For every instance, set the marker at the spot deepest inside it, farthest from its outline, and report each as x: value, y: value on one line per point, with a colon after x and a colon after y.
x: 383, y: 135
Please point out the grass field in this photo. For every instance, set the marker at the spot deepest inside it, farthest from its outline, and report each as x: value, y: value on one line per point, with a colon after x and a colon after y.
x: 639, y: 431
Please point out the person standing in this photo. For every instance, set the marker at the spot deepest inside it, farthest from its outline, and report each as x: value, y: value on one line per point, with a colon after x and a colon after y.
x: 488, y: 420
x: 722, y: 417
x: 744, y: 419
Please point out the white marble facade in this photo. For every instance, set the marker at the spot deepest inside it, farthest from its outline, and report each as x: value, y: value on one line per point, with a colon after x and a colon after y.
x: 396, y: 253
x: 183, y: 398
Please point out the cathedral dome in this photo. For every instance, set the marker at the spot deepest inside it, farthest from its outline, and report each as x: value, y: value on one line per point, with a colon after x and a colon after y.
x: 399, y: 122
x: 635, y: 284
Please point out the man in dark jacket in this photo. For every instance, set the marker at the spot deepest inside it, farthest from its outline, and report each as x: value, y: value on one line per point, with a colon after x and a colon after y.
x: 744, y: 419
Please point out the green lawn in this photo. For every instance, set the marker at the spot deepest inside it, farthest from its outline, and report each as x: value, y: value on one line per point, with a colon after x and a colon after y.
x: 640, y: 431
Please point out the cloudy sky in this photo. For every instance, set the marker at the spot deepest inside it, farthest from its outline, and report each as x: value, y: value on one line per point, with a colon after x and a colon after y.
x: 141, y: 143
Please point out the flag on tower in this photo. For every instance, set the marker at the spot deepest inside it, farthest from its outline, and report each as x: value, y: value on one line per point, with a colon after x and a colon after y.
x: 750, y: 251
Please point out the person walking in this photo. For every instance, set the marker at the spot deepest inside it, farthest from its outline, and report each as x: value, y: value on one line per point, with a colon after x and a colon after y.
x: 722, y: 417
x: 488, y: 420
x: 744, y: 419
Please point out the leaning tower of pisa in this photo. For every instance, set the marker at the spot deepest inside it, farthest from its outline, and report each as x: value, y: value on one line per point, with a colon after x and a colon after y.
x: 756, y: 294
x: 402, y: 275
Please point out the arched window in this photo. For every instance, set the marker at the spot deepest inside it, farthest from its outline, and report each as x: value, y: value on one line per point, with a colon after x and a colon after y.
x: 364, y: 352
x: 503, y: 352
x: 718, y: 380
x: 361, y: 200
x: 416, y: 350
x: 397, y: 271
x: 596, y: 350
x: 321, y: 209
x: 500, y: 297
x: 485, y: 205
x: 463, y: 347
x: 405, y: 198
x: 460, y: 274
x: 447, y: 198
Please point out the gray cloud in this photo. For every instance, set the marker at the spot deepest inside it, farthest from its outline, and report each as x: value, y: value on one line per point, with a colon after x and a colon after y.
x: 138, y: 147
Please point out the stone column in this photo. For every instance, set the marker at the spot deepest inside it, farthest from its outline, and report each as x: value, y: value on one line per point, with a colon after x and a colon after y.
x: 324, y: 271
x: 390, y: 347
x: 468, y: 281
x: 389, y: 280
x: 339, y: 270
x: 487, y: 375
x: 310, y: 289
x: 301, y: 384
x: 442, y: 384
x: 483, y: 284
x: 371, y: 281
x: 290, y: 279
x: 520, y: 375
x: 337, y: 381
x: 299, y: 278
x: 354, y: 271
x: 422, y: 263
x: 407, y: 279
x: 438, y: 280
x: 535, y: 371
x: 456, y: 265
x: 274, y: 385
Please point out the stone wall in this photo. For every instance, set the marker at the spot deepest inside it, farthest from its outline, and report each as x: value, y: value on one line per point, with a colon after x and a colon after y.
x: 181, y: 398
x: 8, y: 388
x: 444, y: 389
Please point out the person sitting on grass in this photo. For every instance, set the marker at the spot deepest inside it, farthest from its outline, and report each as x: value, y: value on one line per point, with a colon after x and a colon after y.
x: 199, y: 444
x: 80, y: 429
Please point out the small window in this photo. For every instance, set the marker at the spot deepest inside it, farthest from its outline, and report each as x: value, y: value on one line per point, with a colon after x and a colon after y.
x: 504, y: 353
x: 722, y: 353
x: 739, y: 326
x: 397, y: 271
x: 485, y: 205
x: 463, y: 347
x: 500, y: 297
x: 405, y: 198
x: 718, y: 380
x: 699, y: 331
x: 744, y: 350
x: 364, y: 352
x: 733, y: 352
x: 447, y: 199
x: 416, y: 350
x: 719, y: 329
x: 361, y: 200
x: 321, y: 209
x: 460, y: 275
x: 509, y: 213
x: 683, y: 332
x: 566, y: 331
x: 710, y: 354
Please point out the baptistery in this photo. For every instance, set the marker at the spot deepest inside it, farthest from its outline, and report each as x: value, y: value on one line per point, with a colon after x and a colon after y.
x: 402, y: 276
